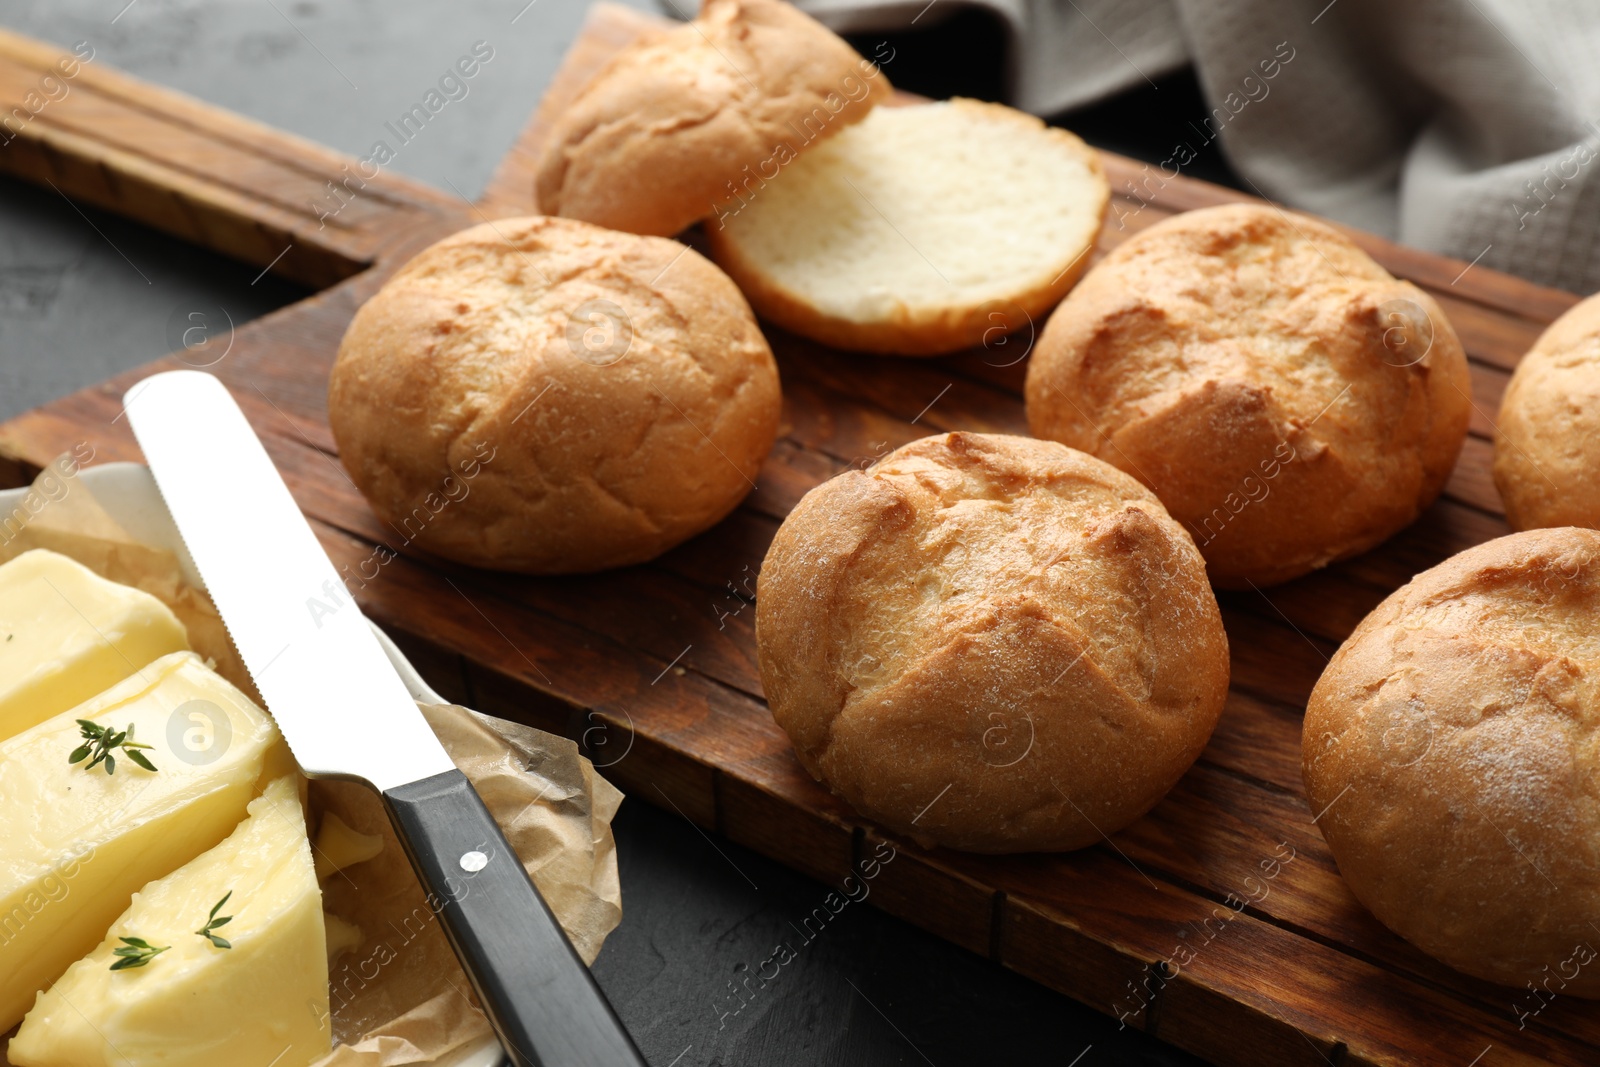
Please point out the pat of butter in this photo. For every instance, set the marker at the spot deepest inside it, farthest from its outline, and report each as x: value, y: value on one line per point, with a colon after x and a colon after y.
x: 342, y: 936
x: 66, y: 633
x: 340, y: 846
x: 263, y: 1001
x: 78, y: 843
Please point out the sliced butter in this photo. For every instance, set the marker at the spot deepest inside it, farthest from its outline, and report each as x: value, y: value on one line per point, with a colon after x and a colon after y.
x: 66, y: 633
x: 263, y: 1001
x: 78, y: 843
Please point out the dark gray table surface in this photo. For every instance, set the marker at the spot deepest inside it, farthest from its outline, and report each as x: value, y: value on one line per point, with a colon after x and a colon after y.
x: 84, y: 295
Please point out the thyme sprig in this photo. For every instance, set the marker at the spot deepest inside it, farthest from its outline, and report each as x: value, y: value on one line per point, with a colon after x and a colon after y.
x: 101, y: 741
x: 136, y: 952
x: 213, y: 922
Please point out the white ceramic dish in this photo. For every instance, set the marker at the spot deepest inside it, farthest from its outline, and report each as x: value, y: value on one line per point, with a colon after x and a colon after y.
x: 129, y: 495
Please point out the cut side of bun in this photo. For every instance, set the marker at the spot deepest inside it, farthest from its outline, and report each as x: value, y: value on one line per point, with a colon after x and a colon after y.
x: 919, y: 231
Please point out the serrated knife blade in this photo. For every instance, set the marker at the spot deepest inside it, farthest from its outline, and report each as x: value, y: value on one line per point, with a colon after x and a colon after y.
x: 324, y: 677
x: 346, y: 714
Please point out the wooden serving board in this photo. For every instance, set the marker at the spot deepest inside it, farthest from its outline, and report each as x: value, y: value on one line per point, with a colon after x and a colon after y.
x: 1218, y: 922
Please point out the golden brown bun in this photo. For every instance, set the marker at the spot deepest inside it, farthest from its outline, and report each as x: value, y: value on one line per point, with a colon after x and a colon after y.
x: 990, y: 642
x: 1289, y: 402
x: 1450, y: 749
x: 920, y: 231
x: 542, y: 395
x: 666, y: 131
x: 1547, y: 446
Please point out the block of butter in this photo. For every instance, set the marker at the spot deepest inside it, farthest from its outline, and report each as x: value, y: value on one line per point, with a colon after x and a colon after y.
x: 261, y: 1001
x: 78, y: 842
x: 66, y: 633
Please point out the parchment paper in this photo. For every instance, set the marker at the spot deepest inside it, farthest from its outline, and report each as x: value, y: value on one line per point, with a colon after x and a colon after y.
x: 399, y: 997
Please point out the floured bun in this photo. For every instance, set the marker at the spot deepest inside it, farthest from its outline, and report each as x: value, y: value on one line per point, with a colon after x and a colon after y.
x: 1547, y: 444
x: 991, y: 643
x: 542, y: 395
x: 676, y: 122
x: 1289, y: 401
x: 1450, y: 751
x: 920, y: 231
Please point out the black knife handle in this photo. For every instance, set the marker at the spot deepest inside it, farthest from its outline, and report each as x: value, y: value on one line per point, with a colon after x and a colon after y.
x: 541, y: 999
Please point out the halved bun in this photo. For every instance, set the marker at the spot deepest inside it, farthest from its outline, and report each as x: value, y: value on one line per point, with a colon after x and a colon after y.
x: 666, y: 132
x: 919, y: 231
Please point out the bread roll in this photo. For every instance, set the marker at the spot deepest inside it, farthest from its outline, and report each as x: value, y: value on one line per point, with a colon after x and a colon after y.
x: 1547, y: 445
x: 1289, y: 402
x: 920, y: 231
x: 681, y: 121
x: 991, y: 643
x: 542, y: 395
x: 1450, y: 751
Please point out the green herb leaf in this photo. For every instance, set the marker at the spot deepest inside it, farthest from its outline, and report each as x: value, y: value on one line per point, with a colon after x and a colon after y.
x: 212, y: 922
x: 136, y: 952
x: 100, y: 741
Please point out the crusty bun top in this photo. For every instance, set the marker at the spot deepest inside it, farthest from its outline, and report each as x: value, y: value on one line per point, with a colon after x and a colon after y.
x: 1288, y: 400
x: 680, y: 121
x: 1004, y: 625
x: 1547, y: 444
x: 1450, y: 747
x: 543, y: 395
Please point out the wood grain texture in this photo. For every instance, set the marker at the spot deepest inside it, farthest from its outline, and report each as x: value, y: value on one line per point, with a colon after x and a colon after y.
x: 213, y: 178
x: 1218, y: 922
